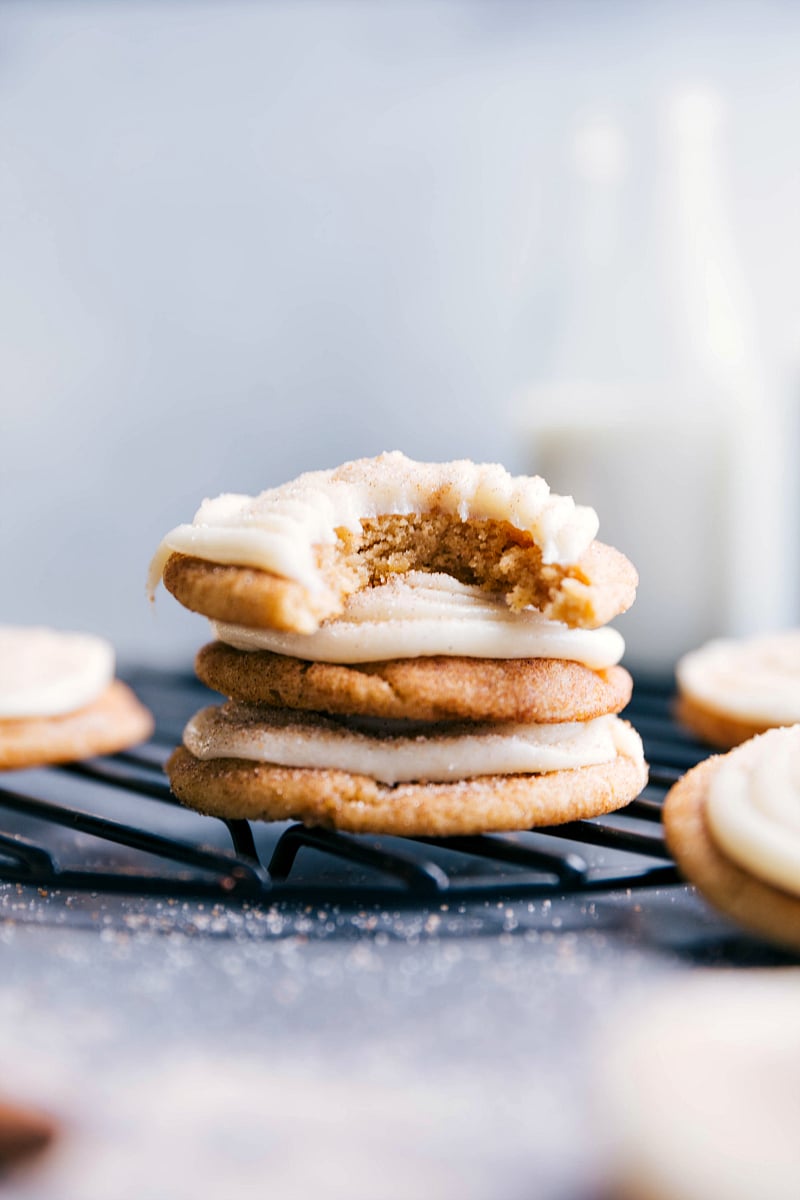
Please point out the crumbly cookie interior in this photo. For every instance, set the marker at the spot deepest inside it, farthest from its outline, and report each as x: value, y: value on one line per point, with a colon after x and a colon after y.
x: 489, y: 554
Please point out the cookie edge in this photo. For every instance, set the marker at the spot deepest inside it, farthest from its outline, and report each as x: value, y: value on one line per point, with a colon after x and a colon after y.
x: 752, y: 903
x: 358, y: 804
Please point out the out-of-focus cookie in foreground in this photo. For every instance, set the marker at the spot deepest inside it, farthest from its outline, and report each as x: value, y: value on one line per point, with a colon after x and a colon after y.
x: 24, y: 1133
x: 59, y: 700
x: 731, y: 689
x: 360, y: 612
x: 696, y: 1090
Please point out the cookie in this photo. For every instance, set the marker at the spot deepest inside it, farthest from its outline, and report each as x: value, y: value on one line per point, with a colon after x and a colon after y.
x: 272, y: 764
x: 247, y: 596
x: 423, y: 689
x: 356, y: 803
x: 709, y: 820
x: 112, y: 722
x: 59, y: 700
x: 714, y: 728
x: 289, y: 558
x: 729, y: 690
x: 695, y: 1088
x: 24, y: 1133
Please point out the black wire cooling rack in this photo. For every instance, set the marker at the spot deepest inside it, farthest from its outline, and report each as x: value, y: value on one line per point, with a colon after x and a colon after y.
x: 110, y: 825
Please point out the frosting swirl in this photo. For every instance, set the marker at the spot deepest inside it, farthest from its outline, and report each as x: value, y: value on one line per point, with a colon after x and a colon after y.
x: 286, y: 738
x: 754, y: 679
x: 419, y: 614
x: 277, y: 530
x: 753, y: 807
x: 45, y: 672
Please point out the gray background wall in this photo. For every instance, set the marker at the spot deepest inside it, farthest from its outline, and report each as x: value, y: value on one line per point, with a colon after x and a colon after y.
x: 238, y: 241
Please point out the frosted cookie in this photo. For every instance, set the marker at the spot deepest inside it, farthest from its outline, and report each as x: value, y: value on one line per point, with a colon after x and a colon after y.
x: 426, y: 614
x: 59, y: 700
x: 289, y: 558
x: 733, y: 825
x: 729, y: 690
x: 423, y: 689
x: 272, y: 764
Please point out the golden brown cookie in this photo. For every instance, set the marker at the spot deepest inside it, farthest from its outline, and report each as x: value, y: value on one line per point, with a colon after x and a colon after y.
x: 235, y: 788
x: 246, y: 596
x: 494, y: 556
x: 731, y: 689
x: 715, y: 728
x: 424, y: 689
x: 113, y: 722
x: 765, y: 909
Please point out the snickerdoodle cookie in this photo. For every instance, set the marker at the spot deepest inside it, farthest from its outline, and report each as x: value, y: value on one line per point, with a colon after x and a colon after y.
x: 438, y: 688
x: 272, y: 765
x: 730, y: 689
x: 733, y: 826
x: 59, y: 700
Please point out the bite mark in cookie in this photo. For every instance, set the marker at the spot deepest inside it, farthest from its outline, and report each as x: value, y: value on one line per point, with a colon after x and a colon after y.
x: 288, y: 559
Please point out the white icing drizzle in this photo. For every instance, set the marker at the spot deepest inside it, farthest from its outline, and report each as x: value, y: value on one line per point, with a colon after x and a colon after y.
x: 418, y: 614
x: 753, y: 807
x: 45, y: 673
x: 755, y: 679
x: 277, y: 530
x: 290, y: 739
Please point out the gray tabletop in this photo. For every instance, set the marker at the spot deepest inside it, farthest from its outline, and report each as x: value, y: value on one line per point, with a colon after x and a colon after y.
x: 193, y: 1050
x: 189, y: 1048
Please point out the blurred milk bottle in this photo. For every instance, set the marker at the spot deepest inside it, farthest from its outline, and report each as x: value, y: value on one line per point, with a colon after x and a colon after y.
x: 657, y: 411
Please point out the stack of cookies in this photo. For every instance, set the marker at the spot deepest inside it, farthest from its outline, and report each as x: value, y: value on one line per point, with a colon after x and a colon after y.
x: 406, y: 648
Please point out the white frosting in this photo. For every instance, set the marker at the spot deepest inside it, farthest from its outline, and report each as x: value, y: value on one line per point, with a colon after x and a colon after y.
x: 755, y: 679
x: 418, y: 614
x: 278, y: 530
x: 753, y: 807
x: 44, y: 673
x: 289, y: 739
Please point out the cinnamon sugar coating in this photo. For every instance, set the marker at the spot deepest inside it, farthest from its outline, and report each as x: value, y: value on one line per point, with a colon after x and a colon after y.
x: 115, y: 721
x: 353, y: 803
x: 424, y: 689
